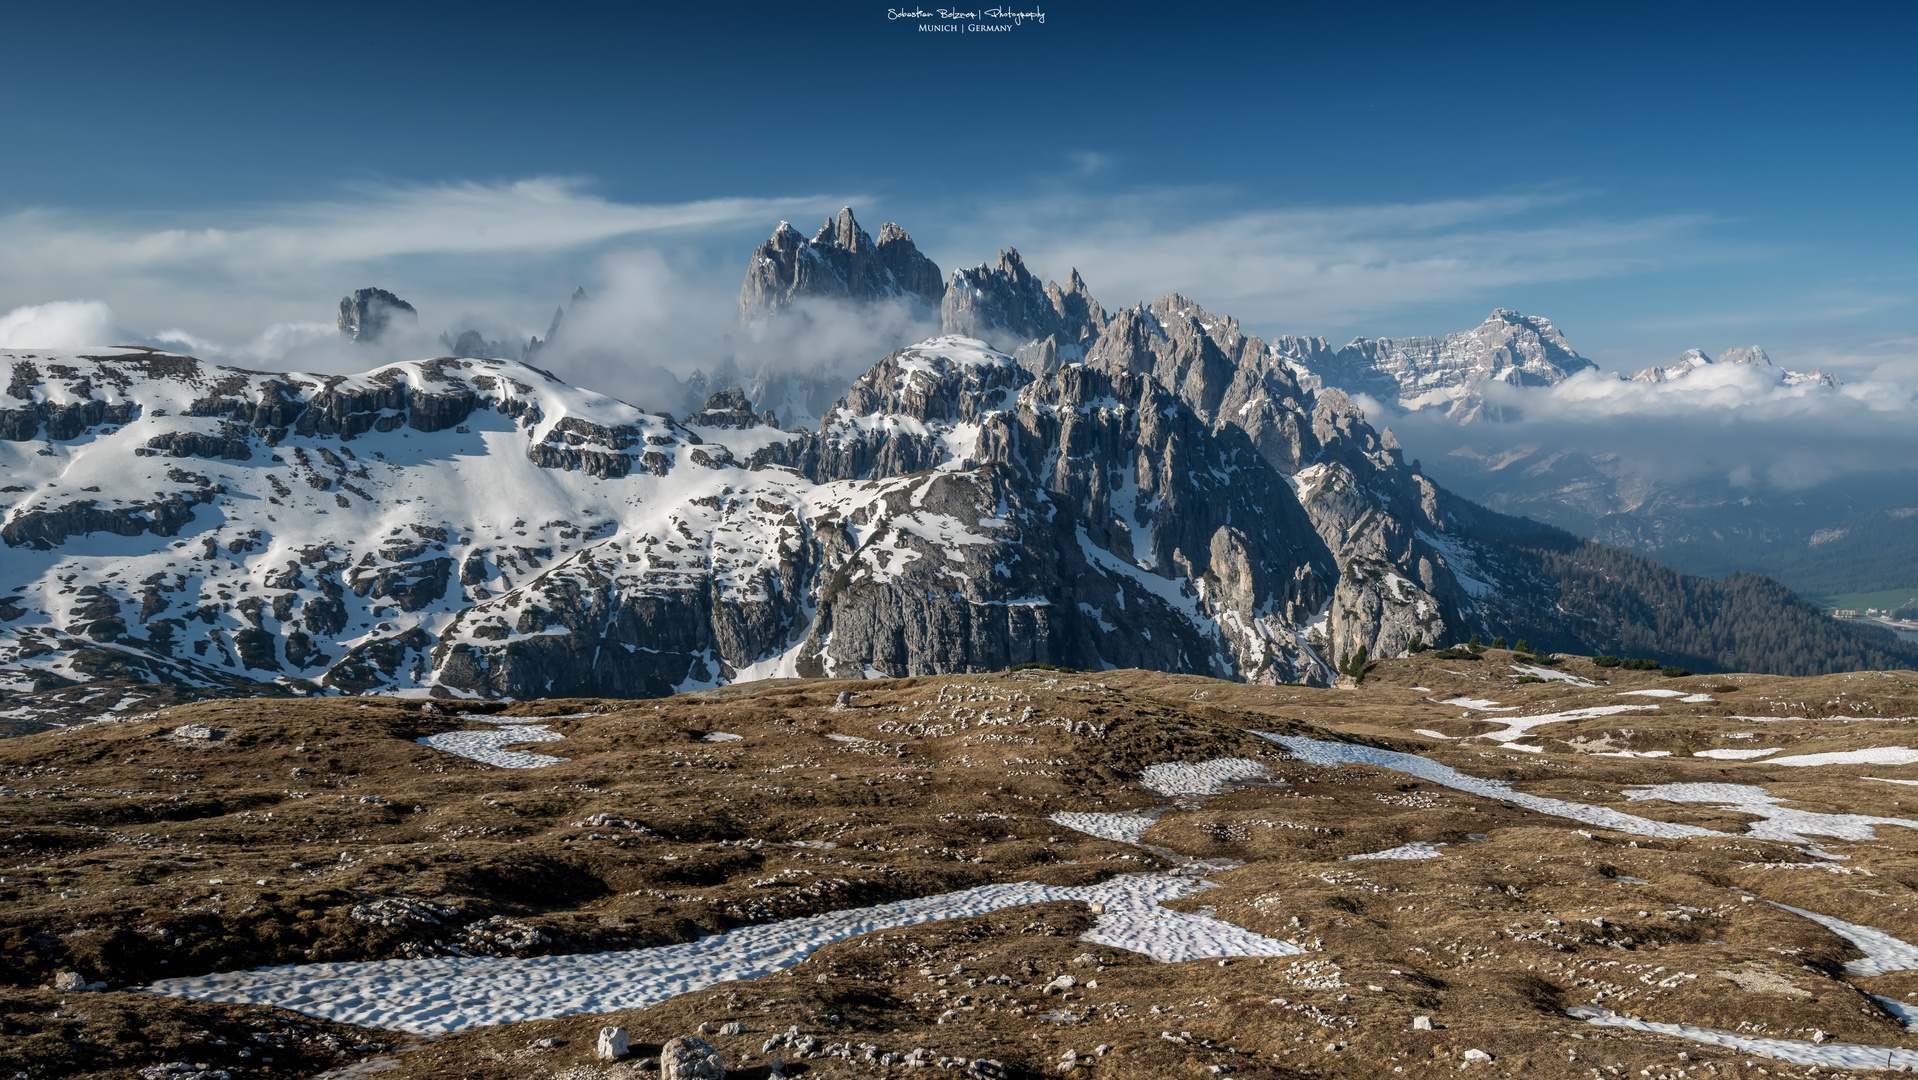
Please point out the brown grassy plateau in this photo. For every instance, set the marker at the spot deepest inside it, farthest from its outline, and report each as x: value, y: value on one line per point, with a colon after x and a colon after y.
x: 320, y: 831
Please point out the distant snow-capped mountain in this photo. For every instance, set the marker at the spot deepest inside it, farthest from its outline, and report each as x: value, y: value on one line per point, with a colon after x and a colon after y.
x: 1450, y: 372
x: 1692, y: 360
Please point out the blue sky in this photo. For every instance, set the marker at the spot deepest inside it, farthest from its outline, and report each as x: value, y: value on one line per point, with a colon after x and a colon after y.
x: 1652, y: 178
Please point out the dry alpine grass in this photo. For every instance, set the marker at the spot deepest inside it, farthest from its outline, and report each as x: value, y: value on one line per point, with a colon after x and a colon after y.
x: 316, y: 830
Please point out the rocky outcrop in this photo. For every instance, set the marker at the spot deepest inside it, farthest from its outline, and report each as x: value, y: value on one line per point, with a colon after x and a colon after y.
x: 347, y: 412
x: 224, y: 445
x: 730, y: 408
x: 840, y: 262
x: 63, y: 421
x: 367, y: 314
x: 413, y: 585
x: 47, y: 527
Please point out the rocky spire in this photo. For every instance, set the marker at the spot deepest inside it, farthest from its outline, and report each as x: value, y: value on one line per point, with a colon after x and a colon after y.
x: 367, y: 313
x: 841, y: 261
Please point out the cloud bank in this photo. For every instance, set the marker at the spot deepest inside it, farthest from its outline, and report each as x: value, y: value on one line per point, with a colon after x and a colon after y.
x: 63, y: 324
x: 1722, y: 432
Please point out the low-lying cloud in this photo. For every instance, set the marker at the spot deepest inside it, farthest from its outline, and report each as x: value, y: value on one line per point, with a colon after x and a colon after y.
x: 63, y: 324
x: 1729, y: 429
x: 255, y: 284
x: 651, y: 323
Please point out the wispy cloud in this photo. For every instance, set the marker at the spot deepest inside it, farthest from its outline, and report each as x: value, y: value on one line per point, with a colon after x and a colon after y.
x: 528, y: 216
x: 1326, y: 266
x: 256, y: 284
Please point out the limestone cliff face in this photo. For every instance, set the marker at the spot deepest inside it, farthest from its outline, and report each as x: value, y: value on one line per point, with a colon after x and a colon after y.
x: 1010, y: 308
x: 1380, y: 523
x: 475, y: 527
x: 840, y: 262
x: 954, y: 513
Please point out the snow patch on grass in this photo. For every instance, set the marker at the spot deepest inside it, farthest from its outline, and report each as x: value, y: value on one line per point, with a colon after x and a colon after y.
x: 1324, y: 753
x: 1417, y: 849
x: 1517, y: 726
x: 1203, y: 778
x: 1884, y: 954
x: 486, y: 745
x: 1481, y: 704
x: 1780, y: 822
x: 1877, y: 755
x: 1124, y: 828
x: 455, y: 994
x: 1796, y: 1051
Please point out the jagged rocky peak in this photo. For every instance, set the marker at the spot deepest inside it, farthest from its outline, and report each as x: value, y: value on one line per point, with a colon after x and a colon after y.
x: 1745, y: 354
x: 840, y: 262
x: 366, y: 314
x: 1688, y: 361
x: 1008, y: 306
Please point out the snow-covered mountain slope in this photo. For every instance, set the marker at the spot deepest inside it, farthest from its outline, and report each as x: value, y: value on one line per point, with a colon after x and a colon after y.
x: 201, y: 522
x: 477, y: 527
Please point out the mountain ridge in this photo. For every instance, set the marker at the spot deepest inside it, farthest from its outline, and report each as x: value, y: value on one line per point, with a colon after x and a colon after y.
x: 1147, y: 487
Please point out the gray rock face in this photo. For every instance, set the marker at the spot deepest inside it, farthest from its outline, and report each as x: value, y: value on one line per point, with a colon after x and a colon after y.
x: 840, y: 262
x: 1745, y: 354
x: 1383, y: 525
x: 982, y: 518
x: 730, y: 408
x: 366, y: 314
x: 1688, y: 361
x: 1009, y: 307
